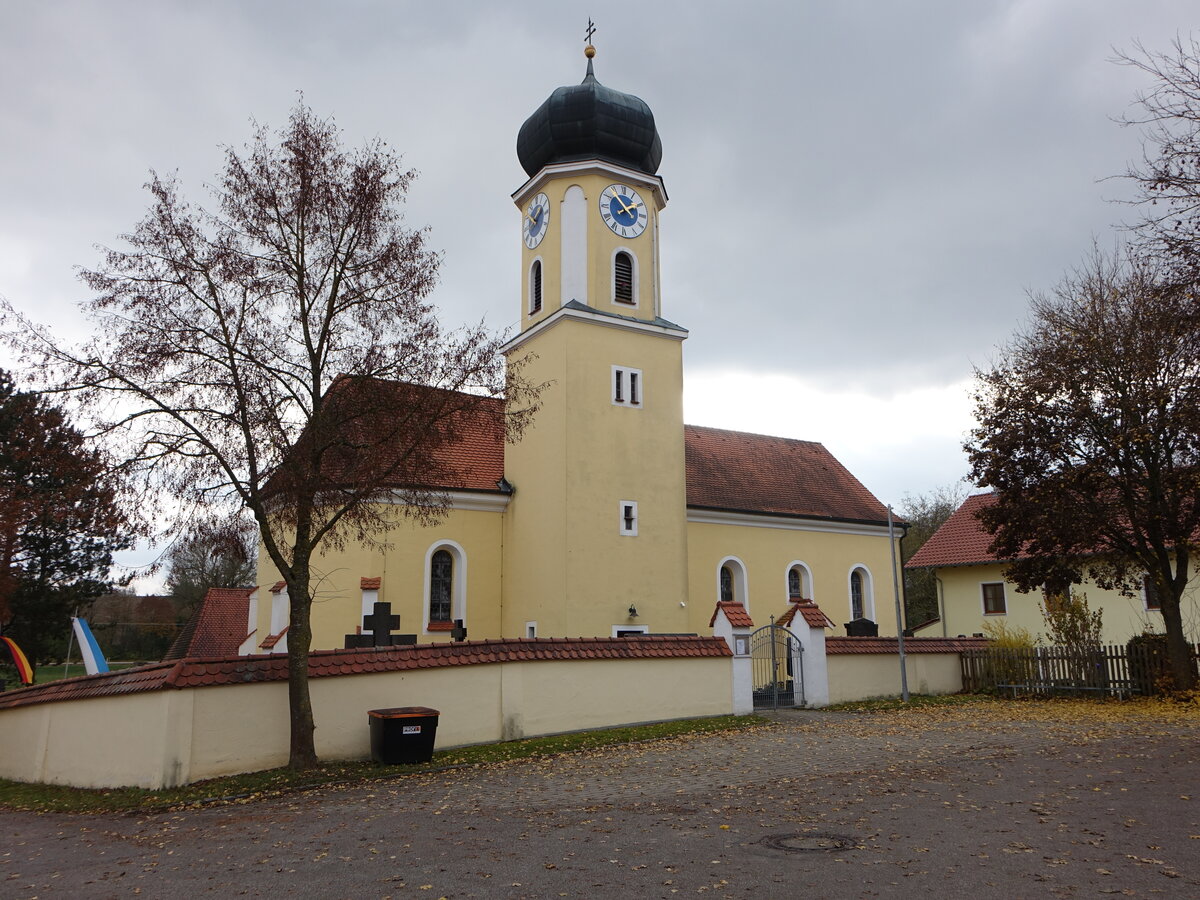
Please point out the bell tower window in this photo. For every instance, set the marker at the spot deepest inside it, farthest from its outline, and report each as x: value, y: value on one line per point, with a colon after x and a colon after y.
x: 626, y: 386
x: 535, y: 287
x: 623, y: 278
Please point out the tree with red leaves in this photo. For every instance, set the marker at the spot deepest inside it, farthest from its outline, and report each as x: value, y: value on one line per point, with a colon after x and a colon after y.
x: 277, y: 353
x: 60, y: 523
x: 1089, y: 431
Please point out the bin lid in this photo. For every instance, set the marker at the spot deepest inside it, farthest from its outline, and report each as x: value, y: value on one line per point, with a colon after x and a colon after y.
x: 402, y: 712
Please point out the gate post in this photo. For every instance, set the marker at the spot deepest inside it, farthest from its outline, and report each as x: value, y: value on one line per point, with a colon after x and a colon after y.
x: 808, y: 625
x: 731, y: 622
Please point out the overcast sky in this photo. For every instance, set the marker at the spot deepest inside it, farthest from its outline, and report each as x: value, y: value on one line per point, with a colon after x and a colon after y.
x: 861, y: 193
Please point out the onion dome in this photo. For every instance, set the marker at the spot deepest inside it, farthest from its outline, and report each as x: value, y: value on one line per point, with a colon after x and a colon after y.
x: 590, y: 121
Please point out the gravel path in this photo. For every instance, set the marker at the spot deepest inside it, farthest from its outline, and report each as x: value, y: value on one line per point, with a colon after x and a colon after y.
x: 994, y: 800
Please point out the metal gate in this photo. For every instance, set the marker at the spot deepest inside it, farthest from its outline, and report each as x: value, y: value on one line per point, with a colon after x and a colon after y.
x: 778, y: 676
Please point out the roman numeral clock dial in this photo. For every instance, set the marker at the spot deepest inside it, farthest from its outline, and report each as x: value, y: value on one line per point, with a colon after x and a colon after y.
x: 623, y: 211
x: 536, y: 220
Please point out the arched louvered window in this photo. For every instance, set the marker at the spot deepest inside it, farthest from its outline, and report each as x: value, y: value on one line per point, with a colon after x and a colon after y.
x: 535, y: 287
x: 623, y: 277
x: 441, y: 585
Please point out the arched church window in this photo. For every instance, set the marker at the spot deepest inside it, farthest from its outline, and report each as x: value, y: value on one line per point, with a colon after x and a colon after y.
x: 798, y: 583
x: 535, y: 287
x: 441, y: 585
x: 857, y: 607
x: 623, y: 278
x: 726, y: 584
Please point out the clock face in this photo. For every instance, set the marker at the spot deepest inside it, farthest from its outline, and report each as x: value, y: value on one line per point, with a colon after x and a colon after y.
x: 536, y: 220
x: 623, y: 211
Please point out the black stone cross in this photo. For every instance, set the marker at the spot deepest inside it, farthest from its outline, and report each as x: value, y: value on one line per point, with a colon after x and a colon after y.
x: 380, y: 623
x: 459, y: 632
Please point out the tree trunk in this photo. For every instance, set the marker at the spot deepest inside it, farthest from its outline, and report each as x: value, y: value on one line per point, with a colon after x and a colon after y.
x: 302, y: 749
x: 1183, y: 672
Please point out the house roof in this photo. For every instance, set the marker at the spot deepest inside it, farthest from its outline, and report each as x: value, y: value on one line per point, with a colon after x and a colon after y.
x: 961, y: 541
x: 217, y: 627
x: 189, y: 673
x: 740, y: 472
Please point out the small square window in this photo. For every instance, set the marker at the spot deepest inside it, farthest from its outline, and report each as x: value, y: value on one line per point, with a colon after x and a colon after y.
x: 629, y: 518
x: 993, y: 599
x: 531, y: 629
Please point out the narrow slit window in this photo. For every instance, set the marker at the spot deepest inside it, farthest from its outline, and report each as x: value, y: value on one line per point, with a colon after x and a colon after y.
x: 623, y: 278
x: 619, y: 386
x: 535, y: 287
x: 629, y: 517
x: 628, y: 389
x: 633, y: 387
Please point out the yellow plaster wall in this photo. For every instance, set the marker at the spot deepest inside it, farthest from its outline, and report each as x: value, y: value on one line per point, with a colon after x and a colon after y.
x: 862, y: 676
x: 567, y: 566
x: 602, y: 244
x: 336, y: 579
x: 767, y: 553
x: 1123, y: 617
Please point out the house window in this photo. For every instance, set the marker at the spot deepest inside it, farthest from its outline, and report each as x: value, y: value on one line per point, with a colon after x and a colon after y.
x: 535, y: 287
x: 629, y: 518
x: 441, y: 586
x: 623, y: 278
x: 626, y: 386
x: 993, y: 599
x: 1151, y: 594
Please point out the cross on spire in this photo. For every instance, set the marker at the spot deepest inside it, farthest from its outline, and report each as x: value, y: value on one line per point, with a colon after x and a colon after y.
x: 591, y: 29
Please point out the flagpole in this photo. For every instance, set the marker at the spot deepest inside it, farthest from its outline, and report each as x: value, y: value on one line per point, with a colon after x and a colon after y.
x: 70, y: 643
x: 899, y: 617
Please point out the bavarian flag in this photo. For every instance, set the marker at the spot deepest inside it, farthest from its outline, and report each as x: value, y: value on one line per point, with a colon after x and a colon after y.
x: 93, y: 659
x: 24, y: 670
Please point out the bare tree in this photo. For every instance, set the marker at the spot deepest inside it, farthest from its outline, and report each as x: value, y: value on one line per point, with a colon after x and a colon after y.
x: 277, y: 352
x: 925, y: 514
x: 1089, y: 430
x: 1168, y: 177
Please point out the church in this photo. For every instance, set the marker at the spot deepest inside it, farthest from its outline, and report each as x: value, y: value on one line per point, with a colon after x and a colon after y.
x: 610, y: 517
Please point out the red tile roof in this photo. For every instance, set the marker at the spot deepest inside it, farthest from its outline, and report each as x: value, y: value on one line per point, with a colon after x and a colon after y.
x: 272, y: 639
x: 187, y: 673
x: 961, y: 541
x: 852, y: 645
x: 809, y: 611
x: 217, y: 627
x: 369, y: 584
x: 734, y: 612
x: 278, y: 586
x: 735, y: 471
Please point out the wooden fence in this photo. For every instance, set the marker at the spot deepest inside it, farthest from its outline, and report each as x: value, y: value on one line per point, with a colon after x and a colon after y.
x: 1120, y: 670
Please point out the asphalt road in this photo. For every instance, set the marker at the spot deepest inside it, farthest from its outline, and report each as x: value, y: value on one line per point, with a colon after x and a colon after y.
x: 996, y: 800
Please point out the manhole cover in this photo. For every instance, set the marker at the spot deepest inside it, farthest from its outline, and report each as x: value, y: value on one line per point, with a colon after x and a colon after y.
x: 803, y: 843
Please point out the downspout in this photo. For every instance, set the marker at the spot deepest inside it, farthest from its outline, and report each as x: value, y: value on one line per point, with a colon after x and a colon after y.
x: 941, y: 595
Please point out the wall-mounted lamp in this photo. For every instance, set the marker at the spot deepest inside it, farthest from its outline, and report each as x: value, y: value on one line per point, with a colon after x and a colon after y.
x: 632, y: 611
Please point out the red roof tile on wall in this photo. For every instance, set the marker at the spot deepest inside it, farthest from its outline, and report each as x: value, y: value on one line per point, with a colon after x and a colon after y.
x: 732, y: 470
x: 960, y: 541
x: 189, y: 673
x: 734, y: 612
x: 844, y: 645
x: 369, y: 584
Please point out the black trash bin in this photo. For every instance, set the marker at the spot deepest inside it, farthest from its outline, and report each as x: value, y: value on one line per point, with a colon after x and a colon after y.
x: 403, y: 734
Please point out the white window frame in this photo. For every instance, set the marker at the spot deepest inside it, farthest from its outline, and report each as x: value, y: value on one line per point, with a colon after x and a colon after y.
x: 806, y: 579
x: 538, y: 264
x: 868, y: 611
x: 741, y: 582
x: 624, y: 304
x: 639, y: 629
x: 458, y: 590
x: 624, y: 528
x: 531, y: 629
x: 627, y: 387
x: 983, y: 598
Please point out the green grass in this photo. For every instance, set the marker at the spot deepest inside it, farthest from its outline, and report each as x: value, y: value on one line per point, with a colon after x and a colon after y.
x: 43, y: 798
x: 915, y: 701
x: 43, y: 674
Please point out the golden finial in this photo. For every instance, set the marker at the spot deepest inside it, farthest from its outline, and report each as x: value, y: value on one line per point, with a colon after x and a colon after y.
x: 589, y: 51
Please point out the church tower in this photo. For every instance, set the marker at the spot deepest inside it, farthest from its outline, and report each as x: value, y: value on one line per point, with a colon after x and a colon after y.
x: 595, y: 533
